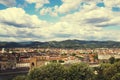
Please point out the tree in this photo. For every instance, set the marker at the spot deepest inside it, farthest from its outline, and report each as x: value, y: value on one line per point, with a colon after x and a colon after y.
x: 80, y: 72
x: 112, y: 70
x: 53, y: 71
x: 61, y: 61
x: 73, y: 54
x: 108, y: 71
x: 116, y: 77
x: 111, y: 60
x: 101, y: 70
x: 57, y: 71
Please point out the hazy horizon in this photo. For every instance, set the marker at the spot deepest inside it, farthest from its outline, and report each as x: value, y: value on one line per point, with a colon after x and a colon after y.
x: 62, y: 40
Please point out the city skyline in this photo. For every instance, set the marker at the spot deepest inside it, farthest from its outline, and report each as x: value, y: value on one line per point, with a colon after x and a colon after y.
x: 49, y: 20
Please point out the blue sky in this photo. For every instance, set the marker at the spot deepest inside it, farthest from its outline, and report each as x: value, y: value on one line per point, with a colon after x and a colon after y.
x: 48, y: 20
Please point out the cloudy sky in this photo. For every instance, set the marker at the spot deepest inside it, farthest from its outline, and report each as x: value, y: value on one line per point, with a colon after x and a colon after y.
x: 48, y: 20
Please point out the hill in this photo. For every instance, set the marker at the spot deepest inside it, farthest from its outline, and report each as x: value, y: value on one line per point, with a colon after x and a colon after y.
x: 63, y: 44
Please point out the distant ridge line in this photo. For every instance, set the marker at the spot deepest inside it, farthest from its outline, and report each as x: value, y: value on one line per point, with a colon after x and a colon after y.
x: 74, y: 44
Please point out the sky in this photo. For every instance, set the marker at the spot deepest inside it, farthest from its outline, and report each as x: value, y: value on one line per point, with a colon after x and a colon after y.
x: 56, y: 20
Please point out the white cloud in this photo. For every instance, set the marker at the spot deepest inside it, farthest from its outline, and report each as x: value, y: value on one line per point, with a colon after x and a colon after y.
x: 16, y: 25
x: 95, y: 16
x: 69, y: 5
x: 66, y: 7
x: 45, y: 11
x: 49, y: 11
x: 18, y: 18
x: 90, y: 22
x: 86, y: 24
x: 112, y: 3
x: 52, y: 11
x: 8, y: 3
x: 39, y: 3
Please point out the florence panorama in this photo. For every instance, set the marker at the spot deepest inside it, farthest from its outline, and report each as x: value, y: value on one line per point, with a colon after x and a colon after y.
x: 59, y: 39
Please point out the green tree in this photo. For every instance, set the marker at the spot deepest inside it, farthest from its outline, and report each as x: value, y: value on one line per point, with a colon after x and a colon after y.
x: 112, y: 60
x: 80, y: 72
x: 61, y: 61
x: 53, y: 71
x: 116, y: 77
x: 100, y: 71
x: 117, y: 60
x: 112, y: 70
x: 73, y: 54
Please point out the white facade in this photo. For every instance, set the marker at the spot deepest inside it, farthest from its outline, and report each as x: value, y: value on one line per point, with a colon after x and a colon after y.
x: 107, y: 56
x: 22, y: 65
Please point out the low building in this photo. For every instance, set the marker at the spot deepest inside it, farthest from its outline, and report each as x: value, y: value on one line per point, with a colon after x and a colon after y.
x: 106, y: 57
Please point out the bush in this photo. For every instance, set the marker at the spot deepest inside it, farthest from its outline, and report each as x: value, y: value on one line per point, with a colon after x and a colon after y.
x: 20, y: 78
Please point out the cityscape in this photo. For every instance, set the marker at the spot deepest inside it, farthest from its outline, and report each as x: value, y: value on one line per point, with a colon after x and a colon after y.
x: 21, y: 60
x: 59, y: 39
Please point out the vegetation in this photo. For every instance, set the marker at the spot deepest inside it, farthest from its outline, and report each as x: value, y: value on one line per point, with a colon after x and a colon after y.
x: 56, y: 71
x: 111, y: 60
x: 52, y: 71
x: 112, y: 71
x: 116, y: 76
x: 82, y: 71
x: 74, y: 44
x: 79, y: 72
x: 100, y: 71
x: 20, y: 78
x: 108, y: 71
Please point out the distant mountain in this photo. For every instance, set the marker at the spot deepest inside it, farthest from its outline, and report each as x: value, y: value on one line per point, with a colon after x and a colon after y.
x: 63, y: 44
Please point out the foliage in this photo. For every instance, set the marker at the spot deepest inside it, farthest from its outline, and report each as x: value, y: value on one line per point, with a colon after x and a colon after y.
x: 79, y: 57
x: 61, y: 61
x: 100, y: 71
x: 73, y: 54
x: 20, y: 78
x: 112, y: 70
x: 116, y: 76
x: 96, y: 56
x: 111, y: 60
x: 53, y: 61
x: 52, y: 71
x: 117, y: 60
x: 108, y: 71
x: 80, y: 72
x: 60, y: 72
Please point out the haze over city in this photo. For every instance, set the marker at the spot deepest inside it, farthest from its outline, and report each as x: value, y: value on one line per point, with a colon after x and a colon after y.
x: 49, y: 20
